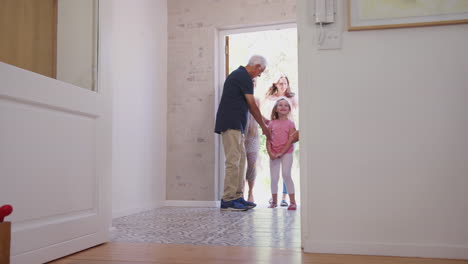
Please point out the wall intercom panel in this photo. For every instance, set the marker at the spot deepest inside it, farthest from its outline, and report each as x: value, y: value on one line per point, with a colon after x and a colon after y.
x: 325, y: 11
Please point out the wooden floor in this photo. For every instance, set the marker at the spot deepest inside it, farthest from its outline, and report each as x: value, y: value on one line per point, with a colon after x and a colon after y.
x: 144, y: 253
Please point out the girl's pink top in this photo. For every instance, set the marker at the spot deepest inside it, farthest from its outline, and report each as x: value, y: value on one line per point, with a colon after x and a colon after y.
x: 280, y: 135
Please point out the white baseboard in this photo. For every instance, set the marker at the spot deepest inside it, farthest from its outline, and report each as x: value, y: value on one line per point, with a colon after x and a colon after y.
x: 182, y: 203
x: 130, y: 211
x: 178, y: 203
x: 388, y: 249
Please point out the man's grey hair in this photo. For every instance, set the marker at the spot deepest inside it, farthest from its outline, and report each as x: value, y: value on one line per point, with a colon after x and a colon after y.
x: 256, y: 60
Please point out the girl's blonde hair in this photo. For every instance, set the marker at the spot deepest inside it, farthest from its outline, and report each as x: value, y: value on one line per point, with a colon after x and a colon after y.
x: 274, y: 114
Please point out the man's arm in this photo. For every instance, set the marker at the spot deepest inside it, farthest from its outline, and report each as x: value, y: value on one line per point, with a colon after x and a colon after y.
x: 253, y: 108
x: 266, y: 121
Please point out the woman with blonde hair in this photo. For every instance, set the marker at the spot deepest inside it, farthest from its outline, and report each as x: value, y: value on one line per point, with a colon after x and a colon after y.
x: 280, y: 88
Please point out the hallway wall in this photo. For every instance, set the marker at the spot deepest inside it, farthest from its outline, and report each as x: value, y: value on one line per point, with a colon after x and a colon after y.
x: 384, y: 143
x: 139, y: 81
x: 192, y: 29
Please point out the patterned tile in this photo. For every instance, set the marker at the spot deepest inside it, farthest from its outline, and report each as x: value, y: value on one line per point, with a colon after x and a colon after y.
x: 259, y: 227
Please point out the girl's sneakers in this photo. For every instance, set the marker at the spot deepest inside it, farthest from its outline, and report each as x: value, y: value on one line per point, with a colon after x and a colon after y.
x: 272, y: 204
x: 284, y: 203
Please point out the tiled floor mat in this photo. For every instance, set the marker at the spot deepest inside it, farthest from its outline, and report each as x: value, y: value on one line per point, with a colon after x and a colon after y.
x: 259, y: 227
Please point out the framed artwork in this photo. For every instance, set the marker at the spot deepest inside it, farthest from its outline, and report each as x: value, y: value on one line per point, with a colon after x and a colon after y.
x: 383, y: 14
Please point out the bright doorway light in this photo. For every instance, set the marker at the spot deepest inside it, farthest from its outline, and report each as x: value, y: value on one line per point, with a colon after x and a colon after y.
x: 279, y: 47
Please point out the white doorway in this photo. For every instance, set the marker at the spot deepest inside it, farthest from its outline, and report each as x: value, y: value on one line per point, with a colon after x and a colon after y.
x: 278, y: 44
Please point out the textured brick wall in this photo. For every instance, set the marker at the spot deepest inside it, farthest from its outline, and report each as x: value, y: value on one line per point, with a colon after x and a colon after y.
x: 192, y: 28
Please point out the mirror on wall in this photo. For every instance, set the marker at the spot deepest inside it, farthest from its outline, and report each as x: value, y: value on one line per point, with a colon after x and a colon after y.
x: 55, y: 38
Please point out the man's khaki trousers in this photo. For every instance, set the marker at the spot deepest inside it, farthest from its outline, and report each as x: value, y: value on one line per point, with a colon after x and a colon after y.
x: 234, y: 151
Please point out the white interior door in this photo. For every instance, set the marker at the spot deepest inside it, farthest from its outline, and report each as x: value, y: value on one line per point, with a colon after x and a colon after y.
x: 55, y: 164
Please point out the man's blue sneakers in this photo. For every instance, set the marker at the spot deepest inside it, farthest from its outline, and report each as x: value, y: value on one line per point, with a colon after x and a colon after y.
x: 233, y: 205
x: 249, y: 205
x: 237, y: 205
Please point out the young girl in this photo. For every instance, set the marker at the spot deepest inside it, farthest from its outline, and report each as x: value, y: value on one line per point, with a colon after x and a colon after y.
x: 280, y: 89
x: 280, y: 149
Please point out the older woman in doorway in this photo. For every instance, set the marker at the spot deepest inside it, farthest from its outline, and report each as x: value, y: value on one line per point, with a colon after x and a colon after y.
x: 252, y: 146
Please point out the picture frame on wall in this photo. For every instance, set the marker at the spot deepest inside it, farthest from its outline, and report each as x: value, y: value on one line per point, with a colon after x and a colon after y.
x: 385, y: 14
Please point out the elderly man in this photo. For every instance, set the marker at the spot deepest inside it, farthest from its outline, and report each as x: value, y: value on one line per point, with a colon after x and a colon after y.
x: 236, y: 102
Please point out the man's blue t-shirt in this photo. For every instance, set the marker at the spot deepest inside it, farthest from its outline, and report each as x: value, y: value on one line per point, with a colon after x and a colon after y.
x: 233, y: 109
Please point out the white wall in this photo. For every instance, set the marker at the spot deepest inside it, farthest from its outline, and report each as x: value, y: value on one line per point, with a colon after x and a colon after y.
x: 139, y: 68
x: 384, y: 141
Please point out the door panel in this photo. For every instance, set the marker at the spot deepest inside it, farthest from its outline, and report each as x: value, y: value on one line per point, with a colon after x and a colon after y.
x: 54, y: 164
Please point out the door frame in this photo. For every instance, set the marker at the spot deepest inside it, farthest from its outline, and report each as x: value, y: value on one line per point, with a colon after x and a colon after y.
x: 220, y: 77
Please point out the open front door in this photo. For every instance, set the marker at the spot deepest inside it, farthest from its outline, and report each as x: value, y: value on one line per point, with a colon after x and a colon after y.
x: 55, y: 164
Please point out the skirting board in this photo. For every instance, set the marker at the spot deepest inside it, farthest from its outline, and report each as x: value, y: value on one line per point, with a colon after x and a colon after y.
x: 130, y: 211
x: 388, y: 249
x: 177, y: 203
x: 182, y: 203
